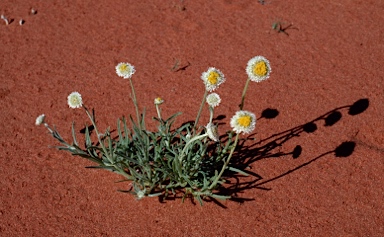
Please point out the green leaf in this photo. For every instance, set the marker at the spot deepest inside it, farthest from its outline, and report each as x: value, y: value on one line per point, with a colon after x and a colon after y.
x: 173, y: 117
x: 88, y: 141
x: 74, y: 134
x: 154, y: 194
x: 237, y: 170
x: 221, y: 197
x: 199, y: 199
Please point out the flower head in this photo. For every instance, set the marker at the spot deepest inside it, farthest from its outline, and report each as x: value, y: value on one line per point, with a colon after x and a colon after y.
x: 212, y: 79
x: 125, y: 70
x: 40, y: 119
x: 212, y: 132
x: 258, y: 69
x: 75, y: 100
x: 158, y: 101
x: 243, y: 121
x: 213, y: 100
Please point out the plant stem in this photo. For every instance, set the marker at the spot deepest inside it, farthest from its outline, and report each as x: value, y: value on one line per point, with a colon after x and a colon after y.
x: 210, y: 114
x: 135, y: 103
x: 243, y: 95
x: 201, y: 108
x: 158, y: 111
x: 49, y: 129
x: 236, y: 140
x: 189, y: 142
x: 225, y: 164
x: 97, y: 133
x: 118, y: 169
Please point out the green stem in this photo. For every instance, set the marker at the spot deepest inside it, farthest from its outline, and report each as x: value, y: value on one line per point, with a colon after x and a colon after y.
x: 135, y: 103
x: 49, y: 129
x: 243, y: 95
x: 201, y: 108
x: 97, y: 133
x: 158, y: 111
x: 225, y: 164
x: 210, y: 114
x: 118, y: 169
x: 189, y: 142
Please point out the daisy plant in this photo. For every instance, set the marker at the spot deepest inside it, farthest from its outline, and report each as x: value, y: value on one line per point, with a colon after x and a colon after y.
x: 190, y: 159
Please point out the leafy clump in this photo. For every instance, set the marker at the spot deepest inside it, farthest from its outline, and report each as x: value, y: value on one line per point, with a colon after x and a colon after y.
x: 190, y: 158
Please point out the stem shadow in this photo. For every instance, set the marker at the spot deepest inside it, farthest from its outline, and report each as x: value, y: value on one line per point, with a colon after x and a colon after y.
x: 270, y: 147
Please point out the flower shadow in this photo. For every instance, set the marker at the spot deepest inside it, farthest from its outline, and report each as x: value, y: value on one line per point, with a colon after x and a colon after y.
x: 270, y: 147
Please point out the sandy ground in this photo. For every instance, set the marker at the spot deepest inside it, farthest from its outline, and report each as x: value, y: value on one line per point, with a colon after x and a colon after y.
x: 326, y: 89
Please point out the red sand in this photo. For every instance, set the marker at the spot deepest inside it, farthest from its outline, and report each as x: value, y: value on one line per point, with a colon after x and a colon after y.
x: 331, y: 57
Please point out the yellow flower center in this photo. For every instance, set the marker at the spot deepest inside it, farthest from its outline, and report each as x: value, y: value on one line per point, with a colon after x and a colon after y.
x: 213, y: 78
x: 75, y: 100
x: 260, y: 69
x: 158, y: 101
x: 124, y: 68
x: 244, y: 121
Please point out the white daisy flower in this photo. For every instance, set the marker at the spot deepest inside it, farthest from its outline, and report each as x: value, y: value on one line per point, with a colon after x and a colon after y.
x: 125, y: 70
x: 213, y: 100
x: 158, y: 101
x: 40, y: 119
x: 212, y: 79
x: 243, y: 121
x: 258, y: 69
x: 75, y: 100
x: 212, y: 132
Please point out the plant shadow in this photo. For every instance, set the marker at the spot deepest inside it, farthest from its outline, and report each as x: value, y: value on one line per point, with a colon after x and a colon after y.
x: 245, y: 155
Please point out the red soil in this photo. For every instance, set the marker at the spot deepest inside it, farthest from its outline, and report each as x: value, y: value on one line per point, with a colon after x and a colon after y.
x: 331, y: 57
